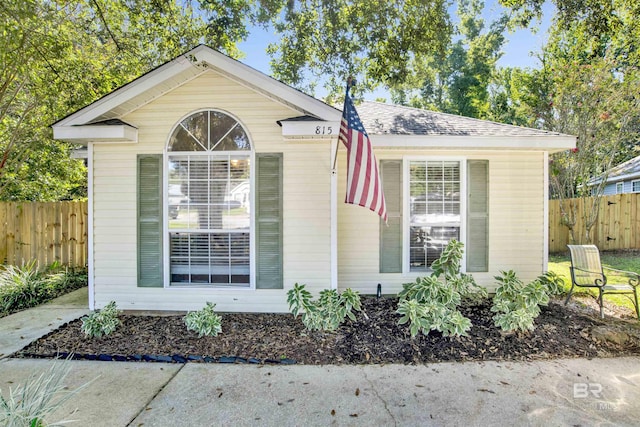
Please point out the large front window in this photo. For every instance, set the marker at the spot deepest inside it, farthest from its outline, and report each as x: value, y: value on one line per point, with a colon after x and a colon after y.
x: 435, y: 206
x: 209, y: 203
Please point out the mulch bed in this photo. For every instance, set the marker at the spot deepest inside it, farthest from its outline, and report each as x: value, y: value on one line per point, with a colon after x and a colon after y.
x: 561, y: 332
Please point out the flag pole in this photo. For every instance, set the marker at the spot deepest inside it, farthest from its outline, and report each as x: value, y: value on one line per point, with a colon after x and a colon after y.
x: 350, y: 84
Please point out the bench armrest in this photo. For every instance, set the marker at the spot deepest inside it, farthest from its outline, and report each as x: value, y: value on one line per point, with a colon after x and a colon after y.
x: 634, y: 278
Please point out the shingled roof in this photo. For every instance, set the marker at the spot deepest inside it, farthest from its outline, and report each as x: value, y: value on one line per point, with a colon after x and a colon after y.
x: 387, y: 119
x: 627, y: 170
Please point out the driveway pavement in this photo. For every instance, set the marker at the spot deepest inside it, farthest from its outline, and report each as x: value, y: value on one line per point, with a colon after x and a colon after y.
x: 561, y: 392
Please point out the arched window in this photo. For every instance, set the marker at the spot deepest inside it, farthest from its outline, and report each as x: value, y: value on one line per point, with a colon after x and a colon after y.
x: 209, y: 201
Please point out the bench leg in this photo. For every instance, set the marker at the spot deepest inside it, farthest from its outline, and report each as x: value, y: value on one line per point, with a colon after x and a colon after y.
x: 600, y: 301
x: 569, y: 296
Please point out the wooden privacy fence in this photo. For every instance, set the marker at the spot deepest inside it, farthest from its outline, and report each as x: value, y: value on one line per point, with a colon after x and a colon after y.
x: 617, y: 226
x: 45, y: 232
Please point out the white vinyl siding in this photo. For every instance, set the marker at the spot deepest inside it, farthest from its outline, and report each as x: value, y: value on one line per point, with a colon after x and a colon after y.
x: 306, y: 213
x: 515, y: 225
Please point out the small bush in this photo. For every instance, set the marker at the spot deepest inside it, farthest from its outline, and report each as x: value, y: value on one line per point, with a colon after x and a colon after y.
x: 518, y: 305
x: 554, y: 283
x: 25, y: 287
x: 42, y: 394
x: 431, y: 303
x: 328, y: 312
x: 204, y: 321
x: 102, y: 322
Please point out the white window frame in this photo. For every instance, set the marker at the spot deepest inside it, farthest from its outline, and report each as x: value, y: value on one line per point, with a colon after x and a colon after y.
x: 406, y: 209
x: 165, y: 209
x: 619, y: 186
x: 633, y: 183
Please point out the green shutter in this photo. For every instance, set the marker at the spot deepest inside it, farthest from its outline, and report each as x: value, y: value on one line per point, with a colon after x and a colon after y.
x: 269, y: 221
x: 150, y: 220
x: 478, y: 216
x: 391, y: 233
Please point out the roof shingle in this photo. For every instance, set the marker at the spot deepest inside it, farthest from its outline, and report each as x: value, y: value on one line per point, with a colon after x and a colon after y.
x: 387, y: 119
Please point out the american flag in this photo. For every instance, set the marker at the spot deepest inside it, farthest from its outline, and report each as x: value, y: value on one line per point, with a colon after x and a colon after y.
x: 364, y: 187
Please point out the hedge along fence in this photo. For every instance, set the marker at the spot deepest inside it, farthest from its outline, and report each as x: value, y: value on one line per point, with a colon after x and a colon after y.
x: 617, y: 226
x: 45, y: 232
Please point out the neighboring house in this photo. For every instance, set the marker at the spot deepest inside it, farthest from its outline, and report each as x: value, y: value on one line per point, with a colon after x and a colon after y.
x: 167, y: 152
x: 624, y: 178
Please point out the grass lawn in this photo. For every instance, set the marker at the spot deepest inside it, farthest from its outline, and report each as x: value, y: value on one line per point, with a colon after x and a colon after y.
x: 629, y: 261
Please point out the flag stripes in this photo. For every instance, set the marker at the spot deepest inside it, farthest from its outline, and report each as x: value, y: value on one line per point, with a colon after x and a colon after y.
x: 364, y: 187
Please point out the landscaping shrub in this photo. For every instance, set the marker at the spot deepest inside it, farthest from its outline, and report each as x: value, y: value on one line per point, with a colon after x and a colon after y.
x: 102, y: 322
x: 328, y: 312
x: 42, y: 394
x: 517, y: 305
x: 21, y: 287
x: 25, y: 287
x: 431, y: 303
x: 204, y: 321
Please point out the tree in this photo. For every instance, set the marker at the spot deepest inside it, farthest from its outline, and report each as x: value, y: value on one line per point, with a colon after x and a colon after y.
x: 601, y: 109
x: 587, y: 87
x: 458, y: 82
x: 374, y: 41
x: 59, y: 56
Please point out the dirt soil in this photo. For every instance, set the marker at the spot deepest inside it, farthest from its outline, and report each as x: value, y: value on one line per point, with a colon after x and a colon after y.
x: 561, y: 332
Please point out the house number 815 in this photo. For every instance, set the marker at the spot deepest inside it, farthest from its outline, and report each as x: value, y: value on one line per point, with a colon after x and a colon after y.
x: 324, y: 130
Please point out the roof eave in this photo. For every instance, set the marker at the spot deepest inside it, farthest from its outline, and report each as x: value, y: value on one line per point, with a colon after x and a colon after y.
x: 96, y: 133
x: 549, y: 144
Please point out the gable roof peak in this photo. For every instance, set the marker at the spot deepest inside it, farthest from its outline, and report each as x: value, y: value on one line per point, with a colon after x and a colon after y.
x: 184, y: 67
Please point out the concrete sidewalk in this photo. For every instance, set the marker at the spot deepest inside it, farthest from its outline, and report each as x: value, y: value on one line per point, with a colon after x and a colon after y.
x: 24, y: 327
x: 563, y: 392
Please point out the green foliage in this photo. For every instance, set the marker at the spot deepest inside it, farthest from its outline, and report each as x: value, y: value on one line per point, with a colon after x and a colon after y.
x: 25, y: 287
x: 431, y: 303
x: 59, y: 56
x: 554, y: 283
x: 20, y: 287
x: 204, y: 321
x: 517, y: 305
x: 102, y: 322
x: 328, y: 312
x: 375, y: 41
x: 458, y: 82
x: 586, y: 86
x: 29, y: 404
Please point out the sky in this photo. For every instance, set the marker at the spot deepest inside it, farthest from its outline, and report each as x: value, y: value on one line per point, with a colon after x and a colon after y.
x: 517, y: 50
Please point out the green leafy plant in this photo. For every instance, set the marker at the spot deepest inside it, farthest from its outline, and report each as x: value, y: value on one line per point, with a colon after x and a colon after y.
x: 518, y: 305
x: 102, y: 322
x: 328, y: 312
x: 554, y: 283
x: 29, y: 404
x: 20, y: 287
x: 431, y: 303
x: 204, y: 321
x: 24, y: 287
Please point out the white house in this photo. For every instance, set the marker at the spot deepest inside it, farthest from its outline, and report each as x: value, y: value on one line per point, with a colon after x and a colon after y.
x: 167, y: 151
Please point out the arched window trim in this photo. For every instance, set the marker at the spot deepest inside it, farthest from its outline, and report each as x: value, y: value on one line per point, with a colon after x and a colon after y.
x: 211, y: 154
x: 206, y: 150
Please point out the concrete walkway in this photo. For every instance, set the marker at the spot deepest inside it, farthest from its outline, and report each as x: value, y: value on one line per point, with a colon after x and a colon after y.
x: 24, y: 327
x: 563, y: 392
